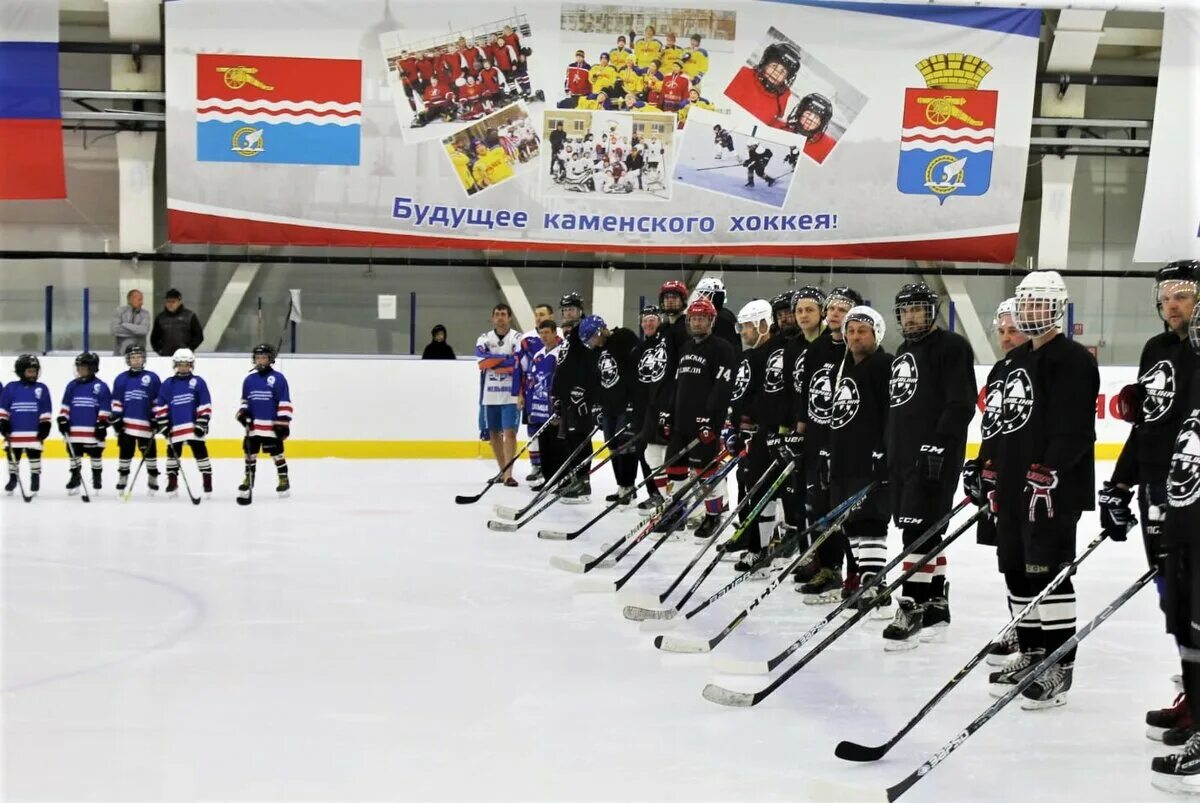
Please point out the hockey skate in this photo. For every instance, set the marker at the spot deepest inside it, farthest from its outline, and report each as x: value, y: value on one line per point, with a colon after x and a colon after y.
x: 654, y: 501
x: 284, y: 488
x: 806, y: 571
x: 905, y: 630
x: 12, y: 483
x: 671, y: 520
x: 74, y: 482
x: 879, y: 606
x: 757, y: 564
x: 1179, y: 772
x: 1049, y: 690
x: 579, y: 492
x: 1164, y: 719
x: 824, y: 587
x: 35, y: 484
x: 851, y: 585
x: 122, y: 481
x: 1002, y: 651
x: 1177, y: 737
x: 152, y: 483
x: 97, y: 476
x: 172, y: 484
x: 695, y: 519
x: 1000, y: 682
x: 731, y: 549
x: 623, y: 495
x: 707, y: 527
x: 937, y: 619
x: 206, y: 482
x: 536, y: 475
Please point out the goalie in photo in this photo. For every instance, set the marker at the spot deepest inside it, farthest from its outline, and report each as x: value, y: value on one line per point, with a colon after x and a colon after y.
x: 608, y: 154
x: 738, y: 161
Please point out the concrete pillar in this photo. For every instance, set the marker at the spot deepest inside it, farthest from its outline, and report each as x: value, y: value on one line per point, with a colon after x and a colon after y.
x: 608, y: 294
x: 1054, y: 233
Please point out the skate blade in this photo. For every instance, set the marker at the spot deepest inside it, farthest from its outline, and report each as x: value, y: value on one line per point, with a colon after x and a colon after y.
x: 998, y: 690
x: 901, y: 645
x: 566, y: 564
x: 578, y: 500
x: 822, y: 599
x: 999, y: 660
x: 935, y: 634
x: 1155, y: 734
x: 882, y: 614
x: 283, y: 494
x: 1175, y: 784
x: 1041, y: 705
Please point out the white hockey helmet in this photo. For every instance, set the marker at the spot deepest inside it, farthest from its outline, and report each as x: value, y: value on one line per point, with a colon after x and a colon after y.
x: 1007, y: 307
x: 756, y: 311
x: 1041, y: 302
x: 752, y: 143
x: 183, y: 355
x: 711, y: 288
x: 865, y: 314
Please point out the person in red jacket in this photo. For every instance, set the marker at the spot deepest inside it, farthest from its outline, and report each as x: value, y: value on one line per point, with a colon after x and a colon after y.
x: 470, y: 99
x: 491, y: 85
x: 675, y: 88
x: 450, y: 66
x: 409, y: 77
x: 511, y: 38
x: 425, y: 69
x: 504, y: 56
x: 439, y: 102
x: 578, y: 81
x: 481, y: 54
x: 764, y: 90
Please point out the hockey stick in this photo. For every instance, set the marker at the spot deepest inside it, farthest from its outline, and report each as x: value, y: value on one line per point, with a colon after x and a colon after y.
x: 586, y: 563
x: 82, y: 482
x: 669, y: 615
x: 671, y: 644
x: 709, y: 484
x: 852, y: 751
x: 557, y: 535
x: 720, y: 167
x: 125, y: 497
x: 470, y: 500
x: 712, y: 539
x: 896, y: 790
x: 557, y: 482
x: 718, y: 694
x: 247, y: 497
x: 16, y: 467
x: 179, y: 463
x: 763, y: 667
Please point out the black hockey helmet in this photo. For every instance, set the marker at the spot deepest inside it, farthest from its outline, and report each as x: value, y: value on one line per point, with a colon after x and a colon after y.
x: 919, y: 295
x: 90, y: 359
x: 782, y: 302
x: 844, y: 296
x: 819, y: 105
x: 571, y: 299
x: 651, y: 309
x: 132, y: 350
x: 1181, y: 276
x: 810, y: 293
x: 25, y: 362
x: 264, y: 349
x: 785, y: 54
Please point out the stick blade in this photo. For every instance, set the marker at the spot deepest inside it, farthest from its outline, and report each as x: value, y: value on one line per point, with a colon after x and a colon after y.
x: 466, y: 500
x: 670, y: 644
x: 853, y: 751
x: 554, y: 535
x: 636, y: 613
x: 723, y: 696
x: 502, y: 526
x: 831, y: 792
x: 592, y: 563
x: 566, y: 564
x: 503, y: 512
x: 732, y: 666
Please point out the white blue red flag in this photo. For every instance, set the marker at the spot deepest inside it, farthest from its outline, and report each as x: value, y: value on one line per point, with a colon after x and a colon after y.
x: 31, y: 140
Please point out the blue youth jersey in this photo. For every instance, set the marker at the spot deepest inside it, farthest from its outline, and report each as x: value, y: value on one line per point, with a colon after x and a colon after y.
x: 86, y: 404
x: 181, y: 402
x: 25, y: 405
x: 538, y: 400
x: 134, y: 393
x: 266, y: 397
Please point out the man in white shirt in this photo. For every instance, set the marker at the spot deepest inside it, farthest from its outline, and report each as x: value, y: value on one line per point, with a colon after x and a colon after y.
x: 497, y: 354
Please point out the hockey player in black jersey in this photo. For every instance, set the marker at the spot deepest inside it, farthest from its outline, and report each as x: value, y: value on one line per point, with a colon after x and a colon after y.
x: 725, y: 326
x: 1158, y: 405
x: 612, y: 405
x: 1178, y: 553
x: 703, y: 385
x: 748, y: 436
x: 572, y: 395
x: 1044, y: 462
x: 654, y: 362
x: 813, y: 403
x: 673, y: 300
x: 857, y: 453
x: 932, y: 397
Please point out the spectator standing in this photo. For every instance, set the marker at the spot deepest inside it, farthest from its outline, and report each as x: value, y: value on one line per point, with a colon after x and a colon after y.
x: 131, y: 325
x: 496, y: 351
x: 176, y: 327
x: 438, y: 348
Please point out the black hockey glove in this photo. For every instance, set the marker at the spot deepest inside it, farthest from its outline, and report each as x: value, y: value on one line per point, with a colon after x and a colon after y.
x: 775, y: 447
x: 555, y: 410
x: 930, y: 459
x: 793, y: 446
x: 64, y: 425
x: 282, y: 430
x: 974, y: 484
x: 664, y: 424
x: 43, y: 430
x: 879, y: 467
x: 1116, y: 517
x: 243, y: 417
x: 823, y: 472
x: 200, y: 427
x: 737, y: 442
x: 118, y: 425
x: 1040, y: 483
x: 5, y: 427
x: 101, y: 433
x: 597, y: 412
x: 704, y: 430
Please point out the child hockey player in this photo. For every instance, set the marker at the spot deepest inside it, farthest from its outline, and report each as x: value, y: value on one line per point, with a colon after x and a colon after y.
x: 182, y: 411
x: 134, y: 392
x: 266, y: 413
x: 25, y: 421
x: 83, y: 419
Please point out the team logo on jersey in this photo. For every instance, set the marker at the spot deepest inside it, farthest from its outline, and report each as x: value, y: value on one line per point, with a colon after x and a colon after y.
x: 773, y: 380
x: 1018, y: 400
x: 192, y: 383
x: 609, y: 373
x: 145, y: 379
x: 903, y: 384
x: 652, y: 367
x: 845, y: 404
x: 270, y: 381
x: 562, y: 349
x: 96, y: 389
x: 37, y: 393
x: 742, y: 380
x: 820, y: 395
x: 993, y: 410
x: 1183, y: 478
x: 798, y: 374
x: 1158, y: 386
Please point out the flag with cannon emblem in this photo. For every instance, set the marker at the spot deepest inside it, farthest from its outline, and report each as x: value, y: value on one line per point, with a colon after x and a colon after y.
x: 277, y: 109
x: 949, y: 129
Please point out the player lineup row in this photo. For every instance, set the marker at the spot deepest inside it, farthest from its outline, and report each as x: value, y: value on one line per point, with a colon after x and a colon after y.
x: 138, y: 407
x: 798, y: 398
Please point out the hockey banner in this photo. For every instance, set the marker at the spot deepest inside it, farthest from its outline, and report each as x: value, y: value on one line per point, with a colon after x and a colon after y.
x: 831, y: 130
x: 1170, y: 224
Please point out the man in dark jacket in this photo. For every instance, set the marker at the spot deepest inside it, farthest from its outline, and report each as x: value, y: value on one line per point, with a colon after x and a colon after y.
x: 438, y: 348
x: 613, y: 400
x: 176, y: 327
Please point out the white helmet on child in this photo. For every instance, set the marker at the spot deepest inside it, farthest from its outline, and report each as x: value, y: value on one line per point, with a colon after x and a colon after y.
x: 1041, y: 302
x: 756, y: 311
x: 865, y: 314
x: 183, y: 355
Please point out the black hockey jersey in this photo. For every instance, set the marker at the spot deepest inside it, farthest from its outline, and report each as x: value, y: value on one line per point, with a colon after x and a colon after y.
x: 932, y: 398
x: 774, y: 395
x: 745, y: 402
x: 704, y: 382
x: 1164, y: 375
x: 655, y: 361
x: 1048, y: 416
x: 1183, y: 471
x: 794, y: 377
x: 615, y: 369
x: 574, y: 380
x: 726, y: 328
x: 993, y: 410
x: 814, y: 404
x: 859, y: 414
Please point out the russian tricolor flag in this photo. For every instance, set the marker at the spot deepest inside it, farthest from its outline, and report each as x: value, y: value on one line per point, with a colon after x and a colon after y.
x: 31, y: 140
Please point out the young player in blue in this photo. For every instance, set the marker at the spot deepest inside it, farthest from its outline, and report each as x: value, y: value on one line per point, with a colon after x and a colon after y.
x: 537, y: 396
x: 134, y: 392
x: 266, y: 413
x: 83, y: 419
x: 25, y: 421
x: 182, y: 411
x: 523, y: 379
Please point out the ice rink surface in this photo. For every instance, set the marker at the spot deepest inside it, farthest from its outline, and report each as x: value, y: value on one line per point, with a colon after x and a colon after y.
x: 367, y: 639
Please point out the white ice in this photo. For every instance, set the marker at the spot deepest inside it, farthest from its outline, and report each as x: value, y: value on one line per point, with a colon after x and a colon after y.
x: 367, y: 639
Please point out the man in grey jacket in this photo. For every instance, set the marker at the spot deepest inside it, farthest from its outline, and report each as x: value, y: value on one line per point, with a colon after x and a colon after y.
x: 176, y: 327
x: 131, y: 325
